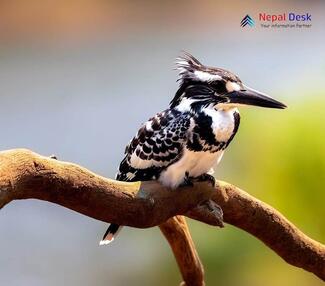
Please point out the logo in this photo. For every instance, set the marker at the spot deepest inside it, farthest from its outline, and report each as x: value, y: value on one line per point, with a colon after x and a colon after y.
x: 247, y: 20
x: 282, y: 20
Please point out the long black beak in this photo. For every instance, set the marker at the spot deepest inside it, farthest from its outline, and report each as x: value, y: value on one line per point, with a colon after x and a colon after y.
x: 250, y: 96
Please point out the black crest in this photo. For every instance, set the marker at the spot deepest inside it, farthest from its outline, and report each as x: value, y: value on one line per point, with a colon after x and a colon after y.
x: 198, y: 80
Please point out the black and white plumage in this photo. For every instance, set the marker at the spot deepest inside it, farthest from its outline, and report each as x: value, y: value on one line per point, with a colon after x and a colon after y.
x: 186, y: 140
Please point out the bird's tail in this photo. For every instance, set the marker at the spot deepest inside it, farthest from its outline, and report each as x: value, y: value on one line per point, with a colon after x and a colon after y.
x: 110, y: 233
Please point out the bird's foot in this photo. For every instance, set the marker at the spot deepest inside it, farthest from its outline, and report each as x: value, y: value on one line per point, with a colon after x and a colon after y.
x: 206, y: 177
x: 212, y: 211
x: 187, y: 181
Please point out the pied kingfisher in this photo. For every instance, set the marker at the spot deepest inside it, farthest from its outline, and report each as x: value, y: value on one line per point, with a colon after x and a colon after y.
x: 186, y: 140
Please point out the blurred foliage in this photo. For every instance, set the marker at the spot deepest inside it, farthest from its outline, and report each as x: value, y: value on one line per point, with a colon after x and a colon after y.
x: 279, y: 157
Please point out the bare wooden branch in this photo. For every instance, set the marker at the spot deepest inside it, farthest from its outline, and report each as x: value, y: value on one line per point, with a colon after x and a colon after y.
x: 178, y: 235
x: 24, y: 175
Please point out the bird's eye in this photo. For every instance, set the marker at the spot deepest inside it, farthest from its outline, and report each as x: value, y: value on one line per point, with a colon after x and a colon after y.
x: 219, y: 87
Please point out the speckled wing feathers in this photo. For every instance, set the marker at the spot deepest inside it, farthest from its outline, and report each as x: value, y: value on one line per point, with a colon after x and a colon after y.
x: 158, y: 143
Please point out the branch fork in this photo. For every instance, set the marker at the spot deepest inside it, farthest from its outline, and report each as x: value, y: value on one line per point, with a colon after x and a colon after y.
x: 27, y: 175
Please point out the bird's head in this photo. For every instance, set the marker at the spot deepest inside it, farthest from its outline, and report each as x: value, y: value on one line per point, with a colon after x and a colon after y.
x: 203, y: 86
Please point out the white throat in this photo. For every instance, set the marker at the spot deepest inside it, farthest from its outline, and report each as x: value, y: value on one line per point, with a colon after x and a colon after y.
x: 223, y: 122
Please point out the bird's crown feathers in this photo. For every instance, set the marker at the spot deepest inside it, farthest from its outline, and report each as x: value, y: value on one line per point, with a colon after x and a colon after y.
x: 190, y: 68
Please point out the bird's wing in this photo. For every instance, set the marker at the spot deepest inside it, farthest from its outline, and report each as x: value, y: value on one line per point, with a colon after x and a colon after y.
x: 158, y: 143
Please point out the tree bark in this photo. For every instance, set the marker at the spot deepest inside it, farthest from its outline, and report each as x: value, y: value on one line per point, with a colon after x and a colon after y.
x: 178, y: 235
x: 26, y: 175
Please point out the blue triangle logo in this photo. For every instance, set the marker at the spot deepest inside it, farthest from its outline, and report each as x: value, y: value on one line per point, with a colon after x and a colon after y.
x: 247, y: 21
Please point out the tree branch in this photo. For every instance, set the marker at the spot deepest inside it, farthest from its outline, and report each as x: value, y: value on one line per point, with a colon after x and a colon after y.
x: 178, y: 235
x: 24, y: 175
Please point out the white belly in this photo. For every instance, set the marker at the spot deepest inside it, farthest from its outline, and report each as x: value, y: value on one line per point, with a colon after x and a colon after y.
x: 195, y: 163
x: 198, y: 163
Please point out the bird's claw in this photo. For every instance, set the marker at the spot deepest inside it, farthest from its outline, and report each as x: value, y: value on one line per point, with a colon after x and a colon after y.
x: 187, y: 181
x: 215, y: 211
x: 207, y: 178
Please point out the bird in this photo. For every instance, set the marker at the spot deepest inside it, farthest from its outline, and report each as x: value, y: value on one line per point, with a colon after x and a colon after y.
x: 185, y: 141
